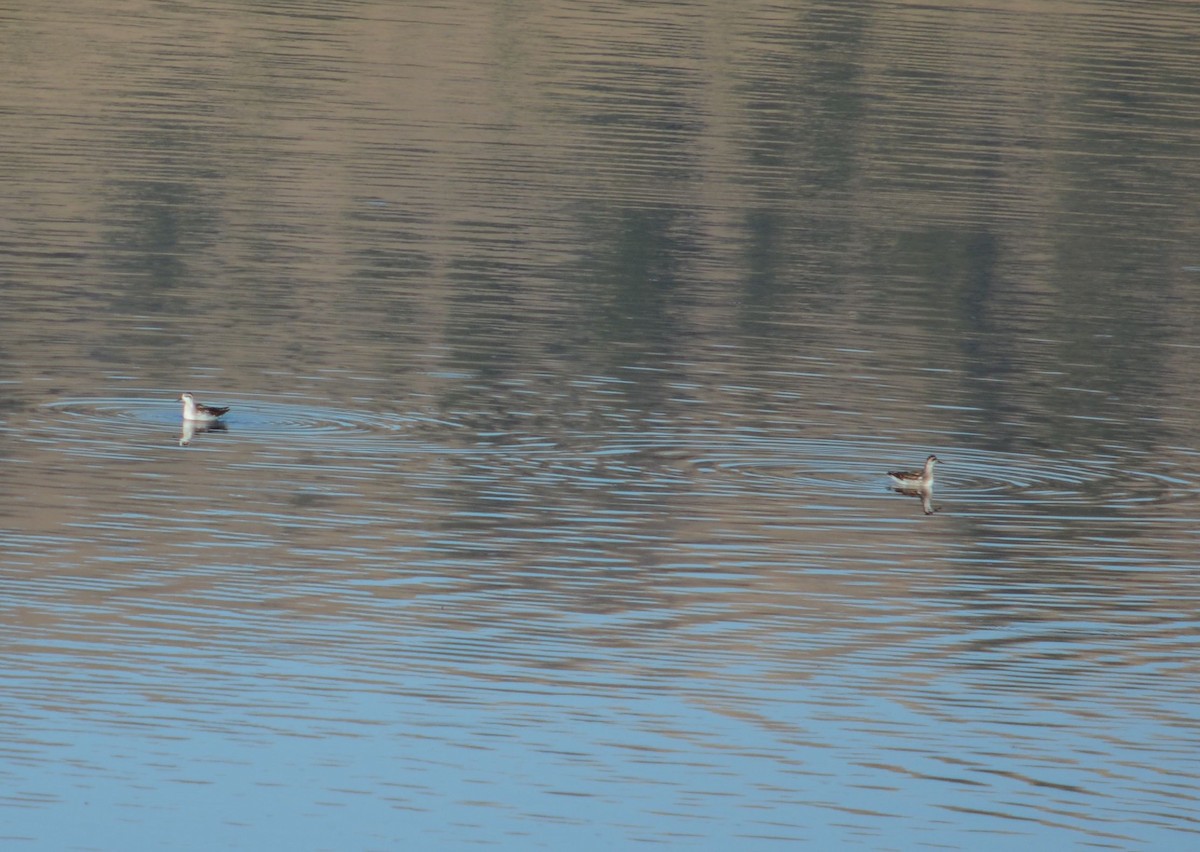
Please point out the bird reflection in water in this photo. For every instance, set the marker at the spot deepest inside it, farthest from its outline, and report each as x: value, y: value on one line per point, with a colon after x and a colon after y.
x: 926, y: 495
x: 191, y: 428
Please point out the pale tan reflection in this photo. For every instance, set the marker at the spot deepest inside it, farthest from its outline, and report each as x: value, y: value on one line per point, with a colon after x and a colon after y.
x: 191, y: 428
x: 926, y: 495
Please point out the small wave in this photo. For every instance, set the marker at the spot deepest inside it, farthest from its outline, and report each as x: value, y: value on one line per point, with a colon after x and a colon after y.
x: 250, y: 417
x: 851, y: 466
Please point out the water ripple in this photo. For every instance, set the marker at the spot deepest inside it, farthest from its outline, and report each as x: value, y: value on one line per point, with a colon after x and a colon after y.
x: 854, y: 466
x: 250, y: 416
x: 764, y: 463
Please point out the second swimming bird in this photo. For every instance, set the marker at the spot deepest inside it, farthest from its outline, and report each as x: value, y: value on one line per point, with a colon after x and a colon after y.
x: 922, y: 478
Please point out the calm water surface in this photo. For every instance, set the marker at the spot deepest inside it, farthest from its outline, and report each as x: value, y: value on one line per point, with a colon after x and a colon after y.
x: 567, y: 349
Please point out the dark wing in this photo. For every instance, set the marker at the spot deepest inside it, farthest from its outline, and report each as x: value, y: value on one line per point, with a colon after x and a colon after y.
x: 215, y: 411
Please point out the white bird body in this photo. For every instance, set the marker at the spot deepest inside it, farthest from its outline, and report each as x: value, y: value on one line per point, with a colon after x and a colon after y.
x: 199, y: 413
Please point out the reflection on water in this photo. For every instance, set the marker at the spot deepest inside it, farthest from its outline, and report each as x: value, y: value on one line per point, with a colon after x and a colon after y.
x: 190, y: 428
x: 925, y: 495
x: 568, y: 350
x: 659, y: 614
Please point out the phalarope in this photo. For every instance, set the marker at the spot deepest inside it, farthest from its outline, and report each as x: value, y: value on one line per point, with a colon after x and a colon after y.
x: 199, y: 413
x: 914, y: 479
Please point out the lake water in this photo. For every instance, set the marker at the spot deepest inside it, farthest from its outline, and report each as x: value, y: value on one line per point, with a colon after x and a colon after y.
x: 568, y: 346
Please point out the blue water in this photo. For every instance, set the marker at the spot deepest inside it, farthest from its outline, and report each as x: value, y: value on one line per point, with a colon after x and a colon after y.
x: 567, y: 349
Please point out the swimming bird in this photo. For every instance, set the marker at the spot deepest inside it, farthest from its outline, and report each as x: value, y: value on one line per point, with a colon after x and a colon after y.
x: 913, y: 479
x: 199, y: 413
